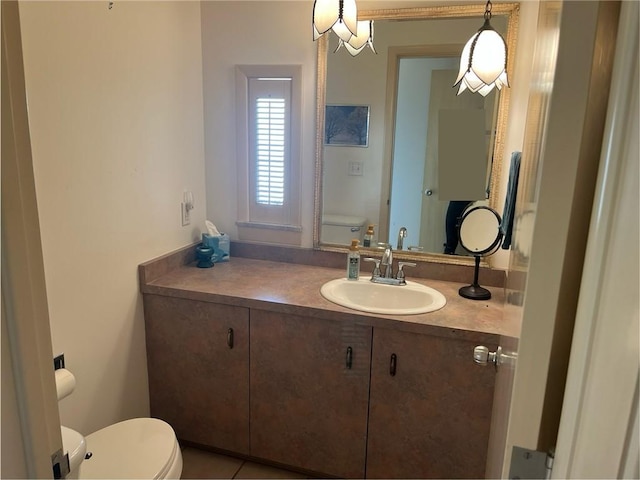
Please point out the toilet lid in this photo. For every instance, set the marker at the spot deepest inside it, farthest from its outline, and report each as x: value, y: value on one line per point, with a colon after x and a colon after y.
x: 137, y: 448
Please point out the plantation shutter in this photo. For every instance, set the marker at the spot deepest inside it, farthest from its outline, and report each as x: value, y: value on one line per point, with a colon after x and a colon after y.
x: 269, y: 132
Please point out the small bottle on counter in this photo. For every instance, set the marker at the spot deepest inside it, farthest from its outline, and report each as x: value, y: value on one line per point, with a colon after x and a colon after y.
x: 353, y: 261
x: 368, y: 236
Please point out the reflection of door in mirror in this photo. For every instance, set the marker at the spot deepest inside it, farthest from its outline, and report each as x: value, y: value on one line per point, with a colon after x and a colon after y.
x: 431, y: 165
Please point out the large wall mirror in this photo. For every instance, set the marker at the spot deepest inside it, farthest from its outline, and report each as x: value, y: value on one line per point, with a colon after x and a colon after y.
x: 421, y: 153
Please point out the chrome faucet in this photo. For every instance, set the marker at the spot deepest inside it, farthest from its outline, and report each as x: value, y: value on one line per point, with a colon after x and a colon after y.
x: 387, y: 261
x: 401, y: 236
x: 388, y: 277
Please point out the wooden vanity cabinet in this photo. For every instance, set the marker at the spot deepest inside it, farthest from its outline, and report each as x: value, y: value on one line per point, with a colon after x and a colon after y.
x: 331, y: 397
x: 310, y: 392
x: 430, y: 407
x: 198, y: 364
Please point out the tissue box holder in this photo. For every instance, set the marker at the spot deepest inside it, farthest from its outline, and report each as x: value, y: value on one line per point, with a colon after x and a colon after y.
x: 220, y: 244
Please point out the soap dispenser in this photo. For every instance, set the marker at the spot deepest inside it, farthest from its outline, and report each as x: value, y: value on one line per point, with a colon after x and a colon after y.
x: 353, y: 261
x: 368, y: 236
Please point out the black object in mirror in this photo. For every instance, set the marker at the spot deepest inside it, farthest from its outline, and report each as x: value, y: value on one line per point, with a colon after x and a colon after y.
x: 480, y: 235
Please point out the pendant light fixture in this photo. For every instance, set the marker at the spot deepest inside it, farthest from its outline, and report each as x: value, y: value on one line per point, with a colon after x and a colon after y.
x: 341, y: 16
x: 483, y: 63
x: 357, y: 43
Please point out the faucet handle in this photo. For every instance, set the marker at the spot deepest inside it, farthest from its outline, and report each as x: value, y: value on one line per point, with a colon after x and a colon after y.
x: 400, y: 274
x: 408, y: 264
x: 376, y: 270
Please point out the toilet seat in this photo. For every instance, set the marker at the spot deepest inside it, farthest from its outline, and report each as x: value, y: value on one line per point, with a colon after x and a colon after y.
x: 136, y: 448
x: 75, y: 445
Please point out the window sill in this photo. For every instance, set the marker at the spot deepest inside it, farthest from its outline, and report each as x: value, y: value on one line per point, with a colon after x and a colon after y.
x: 270, y: 233
x: 271, y: 226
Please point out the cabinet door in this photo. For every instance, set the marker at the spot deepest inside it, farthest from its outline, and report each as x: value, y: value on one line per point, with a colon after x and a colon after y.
x: 430, y: 408
x: 198, y: 375
x: 308, y: 406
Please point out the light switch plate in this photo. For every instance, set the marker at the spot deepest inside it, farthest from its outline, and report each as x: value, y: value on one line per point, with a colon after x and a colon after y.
x: 356, y: 168
x: 186, y: 217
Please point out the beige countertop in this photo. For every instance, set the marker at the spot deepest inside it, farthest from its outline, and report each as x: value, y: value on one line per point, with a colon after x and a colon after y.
x: 295, y: 289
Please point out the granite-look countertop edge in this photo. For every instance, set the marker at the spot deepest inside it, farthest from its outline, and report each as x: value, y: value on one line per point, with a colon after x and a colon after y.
x: 295, y: 289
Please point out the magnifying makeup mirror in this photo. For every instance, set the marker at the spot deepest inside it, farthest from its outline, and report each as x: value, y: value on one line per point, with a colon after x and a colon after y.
x: 480, y: 235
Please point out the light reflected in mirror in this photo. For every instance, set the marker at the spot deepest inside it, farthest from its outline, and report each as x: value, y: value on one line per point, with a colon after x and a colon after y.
x: 401, y: 179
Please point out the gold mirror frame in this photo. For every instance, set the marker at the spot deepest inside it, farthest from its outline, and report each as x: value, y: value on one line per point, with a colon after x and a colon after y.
x: 508, y: 10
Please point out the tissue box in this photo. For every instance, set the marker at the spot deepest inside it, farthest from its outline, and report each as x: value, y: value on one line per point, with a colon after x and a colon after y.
x: 220, y: 244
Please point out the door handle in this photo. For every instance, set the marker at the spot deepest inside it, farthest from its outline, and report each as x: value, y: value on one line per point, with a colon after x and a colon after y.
x: 482, y: 356
x: 349, y: 357
x: 428, y: 192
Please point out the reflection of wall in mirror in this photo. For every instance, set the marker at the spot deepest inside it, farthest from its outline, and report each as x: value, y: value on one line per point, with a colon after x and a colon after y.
x: 362, y: 80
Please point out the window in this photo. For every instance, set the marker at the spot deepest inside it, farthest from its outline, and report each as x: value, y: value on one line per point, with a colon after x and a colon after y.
x: 269, y: 135
x: 268, y: 106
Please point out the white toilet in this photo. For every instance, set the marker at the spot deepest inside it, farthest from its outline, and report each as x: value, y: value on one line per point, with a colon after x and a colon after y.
x: 137, y: 448
x: 341, y: 229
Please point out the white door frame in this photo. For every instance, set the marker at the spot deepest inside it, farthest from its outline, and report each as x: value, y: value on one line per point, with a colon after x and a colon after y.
x: 569, y: 103
x: 598, y: 435
x: 25, y: 312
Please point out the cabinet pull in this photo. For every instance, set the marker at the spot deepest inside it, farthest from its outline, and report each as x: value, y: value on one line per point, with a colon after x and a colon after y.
x: 349, y: 357
x: 230, y: 338
x: 392, y: 365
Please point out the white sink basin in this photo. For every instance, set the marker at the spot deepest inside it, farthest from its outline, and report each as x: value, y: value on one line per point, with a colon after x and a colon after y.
x: 366, y: 296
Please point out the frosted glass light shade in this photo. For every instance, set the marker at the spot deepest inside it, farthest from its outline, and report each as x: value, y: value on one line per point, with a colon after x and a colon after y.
x: 342, y: 31
x: 339, y: 15
x: 357, y: 43
x: 483, y: 62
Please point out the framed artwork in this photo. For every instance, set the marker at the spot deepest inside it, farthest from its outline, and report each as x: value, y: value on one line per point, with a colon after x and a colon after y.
x: 346, y: 125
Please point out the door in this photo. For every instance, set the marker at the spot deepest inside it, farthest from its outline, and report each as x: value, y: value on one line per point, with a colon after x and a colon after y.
x: 429, y: 411
x: 410, y: 93
x: 309, y: 392
x: 434, y: 204
x: 561, y: 153
x: 30, y: 420
x: 198, y: 356
x: 602, y: 385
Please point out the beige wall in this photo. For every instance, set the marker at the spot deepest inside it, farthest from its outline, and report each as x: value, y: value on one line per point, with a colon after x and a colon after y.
x: 253, y: 33
x: 115, y: 109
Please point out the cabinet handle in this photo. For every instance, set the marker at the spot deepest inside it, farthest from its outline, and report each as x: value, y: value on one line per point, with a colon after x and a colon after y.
x: 349, y: 357
x: 230, y: 338
x: 392, y: 365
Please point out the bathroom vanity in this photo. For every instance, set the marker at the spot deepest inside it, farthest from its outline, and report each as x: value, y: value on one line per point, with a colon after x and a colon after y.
x: 248, y: 358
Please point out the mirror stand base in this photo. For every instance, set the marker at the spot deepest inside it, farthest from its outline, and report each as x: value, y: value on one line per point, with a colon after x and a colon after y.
x: 475, y: 292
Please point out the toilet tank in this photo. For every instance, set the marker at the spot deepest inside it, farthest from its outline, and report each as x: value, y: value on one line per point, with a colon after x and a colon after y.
x: 341, y: 229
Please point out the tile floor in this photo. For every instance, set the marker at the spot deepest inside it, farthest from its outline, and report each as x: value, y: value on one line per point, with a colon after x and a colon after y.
x: 202, y: 464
